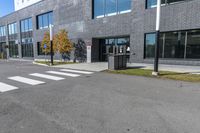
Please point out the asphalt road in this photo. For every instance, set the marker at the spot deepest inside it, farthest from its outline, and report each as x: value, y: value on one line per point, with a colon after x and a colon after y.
x: 97, y: 103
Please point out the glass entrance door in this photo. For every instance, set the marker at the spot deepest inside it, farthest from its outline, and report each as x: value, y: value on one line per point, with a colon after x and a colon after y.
x: 117, y: 45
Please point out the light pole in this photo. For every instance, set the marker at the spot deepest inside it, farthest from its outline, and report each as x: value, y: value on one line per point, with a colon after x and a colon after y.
x: 51, y: 43
x: 156, y: 61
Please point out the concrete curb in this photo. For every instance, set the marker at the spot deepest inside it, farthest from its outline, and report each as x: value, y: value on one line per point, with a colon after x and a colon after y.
x: 40, y: 64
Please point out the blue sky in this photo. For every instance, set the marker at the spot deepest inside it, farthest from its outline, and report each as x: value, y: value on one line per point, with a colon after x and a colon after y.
x: 6, y: 7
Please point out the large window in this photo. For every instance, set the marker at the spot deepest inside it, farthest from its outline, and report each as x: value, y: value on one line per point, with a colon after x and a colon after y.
x: 111, y: 8
x: 26, y: 25
x: 2, y: 31
x: 174, y: 45
x: 13, y: 49
x: 193, y: 44
x: 153, y: 3
x: 27, y: 47
x: 102, y: 8
x: 124, y: 6
x: 12, y: 28
x: 44, y: 20
x: 39, y: 49
x: 150, y: 41
x: 98, y: 8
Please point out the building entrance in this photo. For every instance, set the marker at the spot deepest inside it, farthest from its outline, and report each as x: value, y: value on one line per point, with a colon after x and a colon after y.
x: 109, y: 46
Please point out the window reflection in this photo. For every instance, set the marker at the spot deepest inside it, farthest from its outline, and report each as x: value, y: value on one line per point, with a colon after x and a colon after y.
x: 26, y: 25
x: 44, y: 20
x: 12, y: 28
x: 2, y: 31
x: 179, y: 44
x: 102, y: 8
x: 193, y: 44
x: 153, y: 3
x: 111, y: 7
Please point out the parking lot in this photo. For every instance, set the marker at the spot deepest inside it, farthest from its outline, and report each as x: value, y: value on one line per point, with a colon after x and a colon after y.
x: 56, y: 100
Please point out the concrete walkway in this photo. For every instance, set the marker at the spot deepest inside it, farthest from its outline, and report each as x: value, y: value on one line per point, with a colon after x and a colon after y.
x: 96, y: 67
x: 173, y: 68
x: 101, y: 66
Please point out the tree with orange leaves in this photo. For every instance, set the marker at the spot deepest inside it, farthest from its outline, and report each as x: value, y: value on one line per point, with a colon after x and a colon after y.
x: 46, y: 41
x: 62, y: 44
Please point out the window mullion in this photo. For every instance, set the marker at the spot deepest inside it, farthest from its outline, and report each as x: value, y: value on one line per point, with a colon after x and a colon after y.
x: 185, y: 53
x: 163, y: 53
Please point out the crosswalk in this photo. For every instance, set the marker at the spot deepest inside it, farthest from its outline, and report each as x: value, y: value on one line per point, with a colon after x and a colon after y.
x: 63, y: 74
x: 26, y: 80
x: 45, y: 76
x: 6, y: 87
x: 33, y: 81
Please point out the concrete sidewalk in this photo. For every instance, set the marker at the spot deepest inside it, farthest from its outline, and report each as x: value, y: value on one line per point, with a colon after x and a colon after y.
x: 96, y: 67
x: 101, y: 66
x: 173, y: 68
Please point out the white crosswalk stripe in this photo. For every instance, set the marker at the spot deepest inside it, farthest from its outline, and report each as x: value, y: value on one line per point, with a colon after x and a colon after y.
x: 76, y: 71
x: 26, y: 80
x: 47, y: 76
x: 5, y: 87
x: 64, y: 74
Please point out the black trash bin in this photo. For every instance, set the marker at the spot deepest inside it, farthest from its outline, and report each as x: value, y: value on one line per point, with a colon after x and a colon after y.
x: 117, y: 61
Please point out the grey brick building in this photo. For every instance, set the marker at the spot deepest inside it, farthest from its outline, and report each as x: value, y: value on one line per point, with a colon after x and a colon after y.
x: 108, y: 26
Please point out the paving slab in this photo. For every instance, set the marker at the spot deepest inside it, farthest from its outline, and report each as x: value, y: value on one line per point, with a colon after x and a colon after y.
x: 173, y: 68
x: 95, y: 67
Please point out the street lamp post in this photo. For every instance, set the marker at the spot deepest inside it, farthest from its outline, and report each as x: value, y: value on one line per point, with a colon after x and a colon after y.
x: 51, y: 43
x: 156, y: 61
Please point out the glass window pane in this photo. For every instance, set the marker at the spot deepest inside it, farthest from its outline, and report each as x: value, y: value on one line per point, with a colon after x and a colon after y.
x: 13, y: 49
x: 151, y: 3
x: 26, y: 25
x: 15, y: 28
x: 30, y: 24
x: 50, y: 18
x: 122, y: 41
x: 45, y: 21
x: 111, y: 7
x: 9, y: 29
x: 99, y: 8
x: 4, y: 31
x: 150, y: 45
x: 174, y: 1
x: 111, y: 41
x: 40, y: 22
x: 22, y: 26
x: 12, y: 29
x: 1, y: 31
x: 174, y: 45
x: 124, y: 6
x: 193, y: 44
